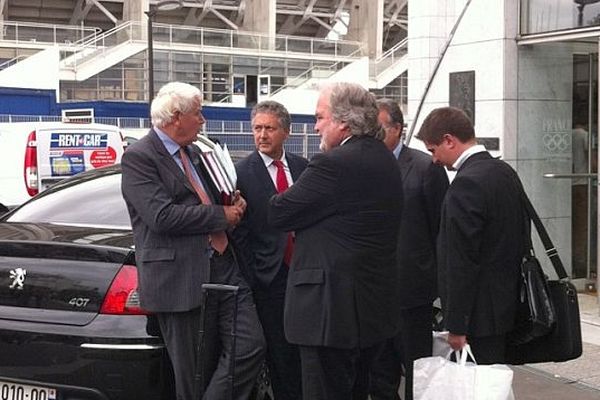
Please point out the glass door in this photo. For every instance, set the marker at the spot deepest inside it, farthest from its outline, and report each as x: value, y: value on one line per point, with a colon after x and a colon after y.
x: 583, y: 176
x: 584, y: 184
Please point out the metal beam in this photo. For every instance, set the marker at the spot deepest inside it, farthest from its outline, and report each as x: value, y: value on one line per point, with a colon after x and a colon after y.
x: 191, y: 19
x: 320, y: 22
x: 80, y: 11
x: 105, y: 11
x: 225, y: 19
x: 290, y: 27
x: 239, y: 19
x: 339, y: 10
x: 309, y: 8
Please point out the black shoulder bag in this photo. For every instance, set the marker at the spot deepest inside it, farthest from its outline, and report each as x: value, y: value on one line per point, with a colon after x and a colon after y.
x: 548, y: 326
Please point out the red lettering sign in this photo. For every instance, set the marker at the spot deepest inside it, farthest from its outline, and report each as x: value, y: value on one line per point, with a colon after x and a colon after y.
x: 102, y: 158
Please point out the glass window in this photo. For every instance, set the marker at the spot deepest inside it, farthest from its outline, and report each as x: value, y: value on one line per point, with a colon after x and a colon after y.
x: 544, y: 16
x: 88, y: 200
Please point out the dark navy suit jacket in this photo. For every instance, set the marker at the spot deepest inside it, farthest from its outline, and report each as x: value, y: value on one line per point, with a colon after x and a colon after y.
x: 259, y: 245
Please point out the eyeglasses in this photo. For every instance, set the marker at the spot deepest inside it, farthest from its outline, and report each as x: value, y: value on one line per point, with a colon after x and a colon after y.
x: 266, y: 128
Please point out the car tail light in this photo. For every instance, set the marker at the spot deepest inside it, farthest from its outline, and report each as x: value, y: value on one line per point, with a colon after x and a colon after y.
x: 30, y: 167
x: 122, y: 296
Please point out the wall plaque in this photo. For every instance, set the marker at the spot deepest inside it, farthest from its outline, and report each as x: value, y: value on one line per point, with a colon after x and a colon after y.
x: 462, y: 92
x: 490, y: 143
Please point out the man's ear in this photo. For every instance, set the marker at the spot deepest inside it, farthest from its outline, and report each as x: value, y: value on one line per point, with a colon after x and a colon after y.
x: 449, y: 140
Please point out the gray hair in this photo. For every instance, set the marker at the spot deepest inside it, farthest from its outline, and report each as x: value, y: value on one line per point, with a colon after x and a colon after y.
x: 173, y: 97
x: 393, y: 110
x: 354, y: 105
x: 275, y: 108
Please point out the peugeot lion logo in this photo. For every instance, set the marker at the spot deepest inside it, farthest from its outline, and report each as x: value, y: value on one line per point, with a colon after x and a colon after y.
x: 18, y: 278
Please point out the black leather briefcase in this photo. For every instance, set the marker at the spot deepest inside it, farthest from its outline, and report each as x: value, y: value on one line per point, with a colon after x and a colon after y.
x: 563, y: 343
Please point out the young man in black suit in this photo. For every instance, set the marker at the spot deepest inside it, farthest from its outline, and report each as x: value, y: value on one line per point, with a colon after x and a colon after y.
x: 342, y: 294
x: 424, y: 186
x: 265, y: 251
x: 180, y: 242
x: 481, y: 240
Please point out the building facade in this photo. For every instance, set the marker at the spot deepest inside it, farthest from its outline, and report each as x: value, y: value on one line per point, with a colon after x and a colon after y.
x: 527, y: 72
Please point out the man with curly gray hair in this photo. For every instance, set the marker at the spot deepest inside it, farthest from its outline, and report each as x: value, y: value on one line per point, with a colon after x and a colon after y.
x: 342, y: 292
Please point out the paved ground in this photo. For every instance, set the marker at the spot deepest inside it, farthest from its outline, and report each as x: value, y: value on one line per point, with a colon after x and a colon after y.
x: 577, y: 379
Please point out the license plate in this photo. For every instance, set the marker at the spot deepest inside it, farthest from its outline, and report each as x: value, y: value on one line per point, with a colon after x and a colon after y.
x: 16, y: 391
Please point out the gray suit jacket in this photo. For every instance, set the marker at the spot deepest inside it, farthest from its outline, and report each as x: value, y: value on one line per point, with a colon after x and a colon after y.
x: 170, y: 226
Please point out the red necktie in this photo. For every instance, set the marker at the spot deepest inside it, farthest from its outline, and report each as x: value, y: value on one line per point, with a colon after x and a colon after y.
x: 218, y: 240
x: 282, y: 185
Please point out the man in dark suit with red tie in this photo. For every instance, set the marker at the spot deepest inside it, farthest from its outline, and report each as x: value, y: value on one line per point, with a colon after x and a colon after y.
x: 342, y: 295
x: 481, y: 241
x: 424, y: 186
x: 265, y: 251
x: 180, y: 243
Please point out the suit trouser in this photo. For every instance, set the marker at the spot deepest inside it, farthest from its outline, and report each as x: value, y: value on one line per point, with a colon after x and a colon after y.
x: 283, y: 358
x: 414, y: 341
x: 334, y: 374
x: 180, y: 332
x: 488, y: 349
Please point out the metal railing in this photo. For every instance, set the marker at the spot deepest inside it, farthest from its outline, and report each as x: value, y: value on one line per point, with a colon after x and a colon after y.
x: 236, y: 134
x: 98, y: 46
x: 12, y: 61
x: 326, y: 72
x: 387, y: 59
x: 174, y: 36
x: 32, y: 33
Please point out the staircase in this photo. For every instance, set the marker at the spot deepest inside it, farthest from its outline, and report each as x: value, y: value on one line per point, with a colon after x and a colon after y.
x: 110, y: 48
x: 389, y: 66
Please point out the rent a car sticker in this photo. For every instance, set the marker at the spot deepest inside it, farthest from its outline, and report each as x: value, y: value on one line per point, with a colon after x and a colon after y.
x: 69, y: 163
x: 72, y: 152
x: 84, y: 141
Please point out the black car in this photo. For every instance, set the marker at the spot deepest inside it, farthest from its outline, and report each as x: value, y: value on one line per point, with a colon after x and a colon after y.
x: 70, y: 322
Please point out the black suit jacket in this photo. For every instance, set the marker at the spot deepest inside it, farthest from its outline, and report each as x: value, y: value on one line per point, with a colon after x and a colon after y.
x: 343, y: 283
x: 260, y: 246
x: 480, y: 248
x: 424, y: 185
x: 170, y: 226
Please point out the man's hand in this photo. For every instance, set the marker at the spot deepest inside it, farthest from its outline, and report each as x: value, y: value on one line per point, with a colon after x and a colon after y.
x: 457, y: 342
x: 238, y: 200
x: 235, y: 212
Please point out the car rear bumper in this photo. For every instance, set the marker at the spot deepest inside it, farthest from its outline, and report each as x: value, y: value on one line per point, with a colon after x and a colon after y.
x: 90, y: 362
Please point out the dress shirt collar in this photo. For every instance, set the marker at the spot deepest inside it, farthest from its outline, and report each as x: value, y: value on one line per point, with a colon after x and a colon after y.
x: 478, y: 148
x: 269, y: 161
x: 345, y: 140
x: 170, y: 145
x: 397, y: 150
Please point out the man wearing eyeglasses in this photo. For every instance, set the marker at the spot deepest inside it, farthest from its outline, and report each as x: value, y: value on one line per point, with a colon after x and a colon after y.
x: 266, y: 252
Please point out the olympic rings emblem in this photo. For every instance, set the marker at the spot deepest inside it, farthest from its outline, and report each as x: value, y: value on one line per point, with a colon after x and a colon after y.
x: 557, y: 142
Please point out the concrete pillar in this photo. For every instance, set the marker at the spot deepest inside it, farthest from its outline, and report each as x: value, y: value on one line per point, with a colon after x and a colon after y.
x: 260, y: 16
x: 133, y: 10
x: 366, y: 25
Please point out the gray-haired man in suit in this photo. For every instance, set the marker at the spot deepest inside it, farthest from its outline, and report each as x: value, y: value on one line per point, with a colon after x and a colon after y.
x: 178, y: 227
x: 424, y: 186
x: 266, y: 251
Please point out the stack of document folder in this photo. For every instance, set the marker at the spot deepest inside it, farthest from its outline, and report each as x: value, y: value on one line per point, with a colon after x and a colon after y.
x: 218, y: 163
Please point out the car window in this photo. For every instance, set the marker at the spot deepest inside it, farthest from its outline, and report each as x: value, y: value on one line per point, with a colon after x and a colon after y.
x: 81, y: 202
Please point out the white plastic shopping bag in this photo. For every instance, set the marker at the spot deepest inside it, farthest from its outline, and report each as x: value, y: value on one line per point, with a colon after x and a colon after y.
x: 438, y: 378
x: 440, y: 346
